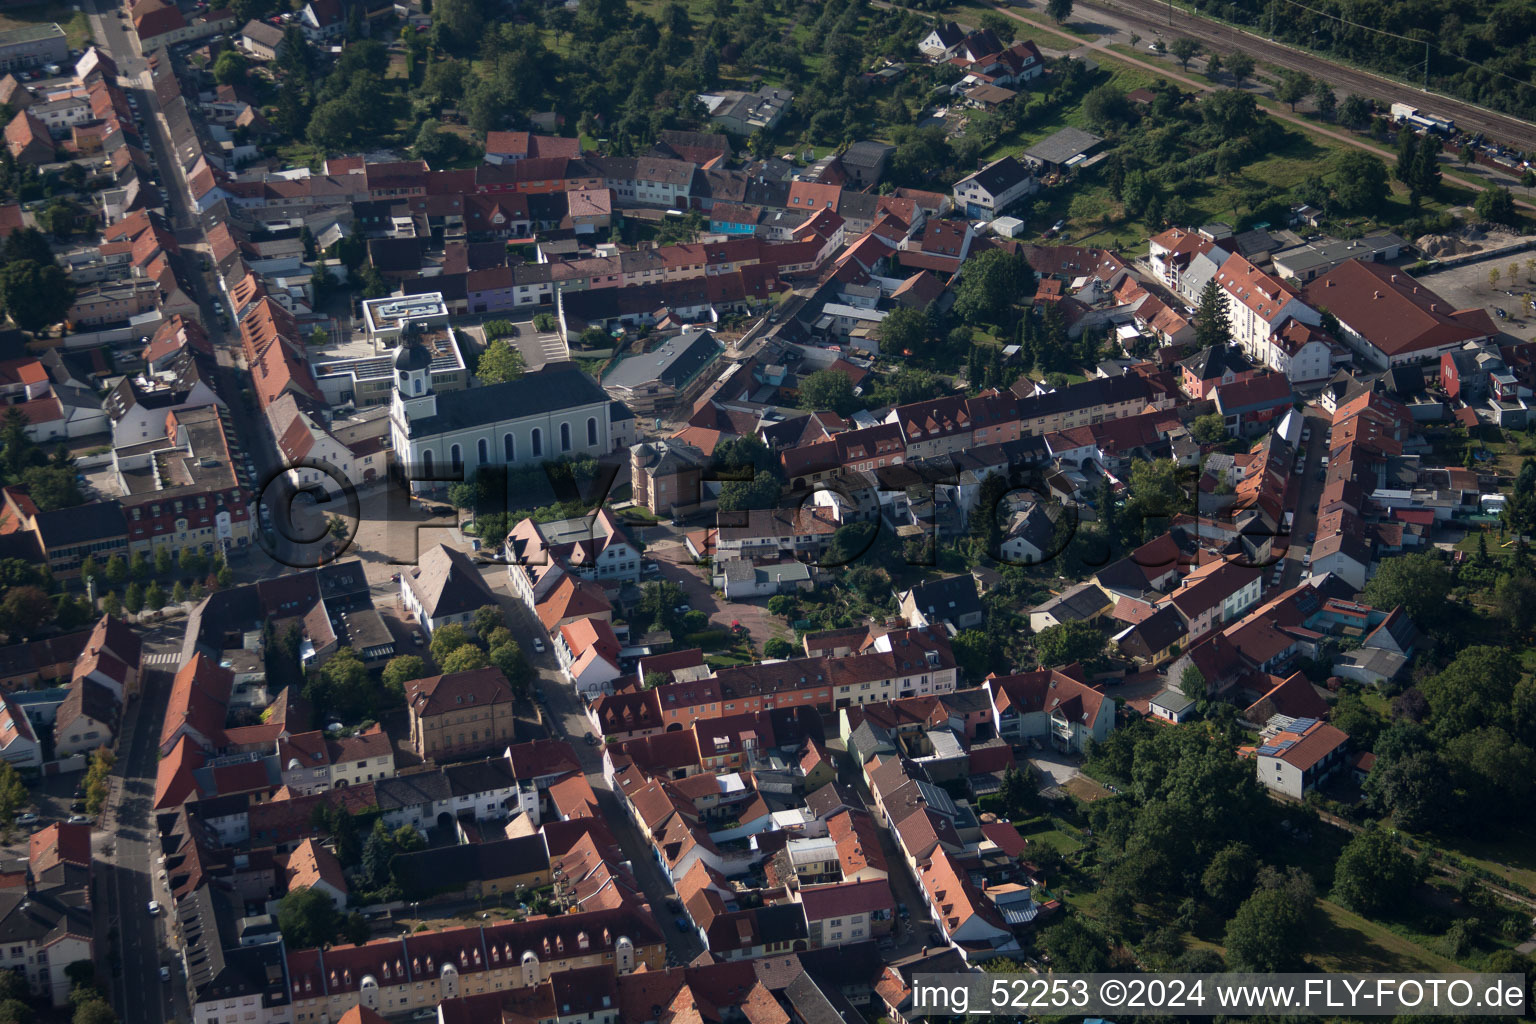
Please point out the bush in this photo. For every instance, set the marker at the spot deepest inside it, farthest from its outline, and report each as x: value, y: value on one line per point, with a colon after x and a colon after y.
x: 708, y: 639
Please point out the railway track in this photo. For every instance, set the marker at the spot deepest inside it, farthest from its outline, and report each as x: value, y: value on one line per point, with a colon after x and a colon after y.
x: 1150, y: 19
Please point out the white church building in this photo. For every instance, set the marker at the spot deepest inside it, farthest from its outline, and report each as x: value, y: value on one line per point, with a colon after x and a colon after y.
x: 556, y: 412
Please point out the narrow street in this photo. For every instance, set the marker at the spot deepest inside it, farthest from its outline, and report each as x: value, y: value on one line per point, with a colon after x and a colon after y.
x: 134, y: 943
x: 1308, y: 492
x: 566, y: 718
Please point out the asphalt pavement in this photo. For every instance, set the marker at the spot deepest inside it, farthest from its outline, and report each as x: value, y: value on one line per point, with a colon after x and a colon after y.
x: 137, y: 943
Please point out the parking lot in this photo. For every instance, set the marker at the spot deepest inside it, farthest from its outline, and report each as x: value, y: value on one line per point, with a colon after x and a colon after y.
x: 1467, y: 287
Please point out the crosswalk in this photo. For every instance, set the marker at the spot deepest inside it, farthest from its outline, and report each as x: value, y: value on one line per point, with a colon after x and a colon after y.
x: 166, y: 658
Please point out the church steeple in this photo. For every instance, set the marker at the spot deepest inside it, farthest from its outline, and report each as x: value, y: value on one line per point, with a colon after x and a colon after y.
x: 413, y: 378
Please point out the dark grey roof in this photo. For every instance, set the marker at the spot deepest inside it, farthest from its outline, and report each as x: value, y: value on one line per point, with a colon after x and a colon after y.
x: 830, y: 799
x: 1062, y: 146
x: 675, y: 362
x: 1214, y: 361
x: 867, y: 154
x: 1155, y: 633
x: 479, y: 776
x: 549, y: 390
x: 95, y: 520
x: 411, y: 790
x: 427, y: 873
x: 1000, y: 175
x: 781, y: 922
x: 814, y: 1004
x: 949, y: 598
x: 218, y: 967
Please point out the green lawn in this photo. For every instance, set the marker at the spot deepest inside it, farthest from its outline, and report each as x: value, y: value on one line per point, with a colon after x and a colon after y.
x: 1512, y: 856
x: 1345, y: 941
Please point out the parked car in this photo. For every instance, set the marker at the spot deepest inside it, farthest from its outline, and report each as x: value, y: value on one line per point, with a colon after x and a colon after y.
x: 418, y: 639
x: 153, y: 908
x: 26, y: 818
x: 538, y: 645
x: 165, y: 973
x: 1306, y: 559
x: 682, y: 923
x: 79, y: 819
x: 1311, y: 537
x: 683, y: 609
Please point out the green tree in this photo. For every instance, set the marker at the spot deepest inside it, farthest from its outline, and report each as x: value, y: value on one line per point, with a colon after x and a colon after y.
x: 761, y: 492
x: 154, y: 597
x: 1213, y: 326
x: 90, y: 570
x: 192, y: 561
x: 1184, y: 50
x: 485, y: 619
x: 1229, y: 877
x: 112, y: 605
x: 1515, y: 595
x: 402, y: 669
x: 446, y: 639
x: 1360, y: 181
x: 827, y: 389
x: 903, y: 330
x: 1240, y: 67
x: 778, y: 647
x: 513, y: 663
x: 341, y: 686
x: 1059, y: 10
x: 179, y: 593
x: 1372, y: 874
x: 1068, y: 642
x: 93, y: 1010
x: 13, y: 792
x: 500, y: 362
x: 133, y: 599
x: 1418, y: 582
x: 1192, y: 683
x: 465, y: 659
x: 1413, y: 789
x: 307, y: 918
x: 1327, y: 102
x: 138, y: 566
x: 1268, y: 934
x: 162, y: 559
x: 1354, y: 110
x: 14, y: 1011
x: 1292, y: 88
x: 1075, y: 947
x: 990, y: 285
x: 1496, y: 206
x: 35, y: 295
x: 1209, y: 429
x: 230, y: 68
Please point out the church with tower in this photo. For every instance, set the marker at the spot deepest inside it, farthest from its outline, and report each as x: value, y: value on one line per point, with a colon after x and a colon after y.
x: 555, y: 412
